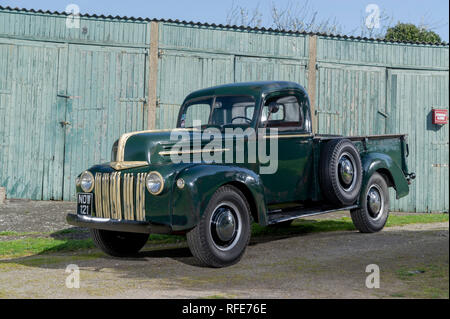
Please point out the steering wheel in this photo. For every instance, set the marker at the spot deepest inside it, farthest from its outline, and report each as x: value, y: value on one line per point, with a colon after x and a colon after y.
x: 242, y: 117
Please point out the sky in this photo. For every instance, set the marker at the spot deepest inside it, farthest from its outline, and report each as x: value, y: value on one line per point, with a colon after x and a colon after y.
x: 349, y: 14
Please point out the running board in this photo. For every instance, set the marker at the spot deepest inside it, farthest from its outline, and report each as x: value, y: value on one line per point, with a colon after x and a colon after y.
x: 279, y: 216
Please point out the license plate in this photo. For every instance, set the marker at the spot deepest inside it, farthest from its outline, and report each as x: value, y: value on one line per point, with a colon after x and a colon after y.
x: 84, y: 203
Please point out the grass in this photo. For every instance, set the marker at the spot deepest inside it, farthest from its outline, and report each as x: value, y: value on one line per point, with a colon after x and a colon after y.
x: 42, y: 243
x: 33, y: 246
x: 424, y: 281
x: 400, y: 220
x: 14, y: 233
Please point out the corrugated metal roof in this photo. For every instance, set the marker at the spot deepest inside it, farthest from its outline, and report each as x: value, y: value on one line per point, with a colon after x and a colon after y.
x: 226, y: 26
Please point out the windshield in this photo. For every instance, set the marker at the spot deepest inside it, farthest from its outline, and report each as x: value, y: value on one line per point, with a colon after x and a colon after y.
x: 220, y: 111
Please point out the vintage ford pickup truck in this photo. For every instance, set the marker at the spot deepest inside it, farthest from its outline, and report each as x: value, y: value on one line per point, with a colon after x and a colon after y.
x: 211, y: 177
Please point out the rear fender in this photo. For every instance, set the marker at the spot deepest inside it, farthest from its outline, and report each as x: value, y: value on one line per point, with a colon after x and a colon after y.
x: 379, y: 162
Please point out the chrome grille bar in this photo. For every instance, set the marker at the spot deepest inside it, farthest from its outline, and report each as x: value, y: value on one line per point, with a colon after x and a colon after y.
x: 98, y: 195
x: 105, y: 196
x: 120, y: 196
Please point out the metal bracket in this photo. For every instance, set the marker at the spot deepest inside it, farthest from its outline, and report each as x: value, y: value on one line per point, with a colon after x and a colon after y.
x: 383, y: 114
x: 68, y: 96
x: 65, y: 123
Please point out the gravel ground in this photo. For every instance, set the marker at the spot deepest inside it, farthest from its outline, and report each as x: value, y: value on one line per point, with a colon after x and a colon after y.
x: 413, y: 262
x: 34, y: 216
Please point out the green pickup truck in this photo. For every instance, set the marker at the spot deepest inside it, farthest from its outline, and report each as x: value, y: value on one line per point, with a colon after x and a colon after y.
x: 241, y: 153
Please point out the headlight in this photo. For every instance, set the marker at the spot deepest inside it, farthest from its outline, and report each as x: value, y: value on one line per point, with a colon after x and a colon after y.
x: 87, y: 181
x: 154, y: 183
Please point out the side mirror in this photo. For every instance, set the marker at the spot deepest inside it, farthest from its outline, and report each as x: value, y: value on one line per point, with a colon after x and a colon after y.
x: 274, y: 107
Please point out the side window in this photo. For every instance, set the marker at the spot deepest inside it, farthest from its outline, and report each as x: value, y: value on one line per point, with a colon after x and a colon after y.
x: 249, y: 110
x: 196, y: 112
x: 282, y: 111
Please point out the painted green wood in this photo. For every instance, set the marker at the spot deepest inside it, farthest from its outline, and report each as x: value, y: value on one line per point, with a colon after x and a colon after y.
x: 52, y: 27
x: 223, y: 40
x: 384, y: 54
x: 107, y: 97
x: 411, y: 96
x: 51, y: 74
x: 350, y: 99
x: 183, y: 72
x: 270, y: 69
x: 31, y: 133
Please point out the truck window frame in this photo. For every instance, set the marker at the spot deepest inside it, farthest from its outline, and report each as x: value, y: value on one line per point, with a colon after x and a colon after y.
x: 214, y: 97
x: 303, y: 102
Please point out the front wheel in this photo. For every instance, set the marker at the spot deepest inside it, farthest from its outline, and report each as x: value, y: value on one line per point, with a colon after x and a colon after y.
x: 223, y: 233
x: 373, y: 212
x: 118, y: 244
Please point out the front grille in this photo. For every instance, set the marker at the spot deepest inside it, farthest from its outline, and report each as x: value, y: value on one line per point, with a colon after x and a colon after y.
x: 120, y: 196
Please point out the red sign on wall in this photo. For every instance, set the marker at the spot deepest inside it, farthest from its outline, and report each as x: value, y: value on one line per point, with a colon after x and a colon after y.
x: 440, y: 116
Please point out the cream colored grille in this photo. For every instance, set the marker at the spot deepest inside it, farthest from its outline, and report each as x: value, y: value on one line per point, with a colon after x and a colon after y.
x: 120, y: 196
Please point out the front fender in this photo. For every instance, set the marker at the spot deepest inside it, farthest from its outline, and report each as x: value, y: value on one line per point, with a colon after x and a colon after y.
x: 201, y: 181
x: 373, y: 162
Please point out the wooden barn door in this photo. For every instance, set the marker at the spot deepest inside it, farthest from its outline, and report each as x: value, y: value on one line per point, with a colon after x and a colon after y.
x: 105, y: 98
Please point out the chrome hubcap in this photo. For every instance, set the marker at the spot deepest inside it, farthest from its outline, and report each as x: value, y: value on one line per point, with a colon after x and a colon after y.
x: 225, y: 226
x: 375, y: 201
x: 346, y: 171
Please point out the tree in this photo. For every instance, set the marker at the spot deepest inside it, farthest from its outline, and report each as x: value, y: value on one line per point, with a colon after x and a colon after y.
x: 302, y: 17
x: 412, y: 33
x: 298, y: 16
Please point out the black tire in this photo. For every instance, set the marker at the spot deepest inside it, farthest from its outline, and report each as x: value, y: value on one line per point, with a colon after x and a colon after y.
x: 364, y: 218
x: 204, y: 241
x: 118, y: 244
x: 335, y: 188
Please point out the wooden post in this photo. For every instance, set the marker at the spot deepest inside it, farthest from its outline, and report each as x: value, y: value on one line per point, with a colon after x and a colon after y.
x: 153, y: 76
x: 312, y: 79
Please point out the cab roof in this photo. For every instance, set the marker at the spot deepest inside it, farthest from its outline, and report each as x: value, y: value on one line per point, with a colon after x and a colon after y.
x: 256, y: 89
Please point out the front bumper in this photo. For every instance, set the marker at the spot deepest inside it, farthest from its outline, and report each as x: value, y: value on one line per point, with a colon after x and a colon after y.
x: 130, y: 226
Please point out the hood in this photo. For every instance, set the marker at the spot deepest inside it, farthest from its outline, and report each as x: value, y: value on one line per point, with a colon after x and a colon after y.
x: 145, y: 146
x: 156, y: 146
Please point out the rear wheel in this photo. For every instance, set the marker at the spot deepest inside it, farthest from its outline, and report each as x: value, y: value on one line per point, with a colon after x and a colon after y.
x: 374, y: 206
x: 118, y: 244
x: 223, y: 233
